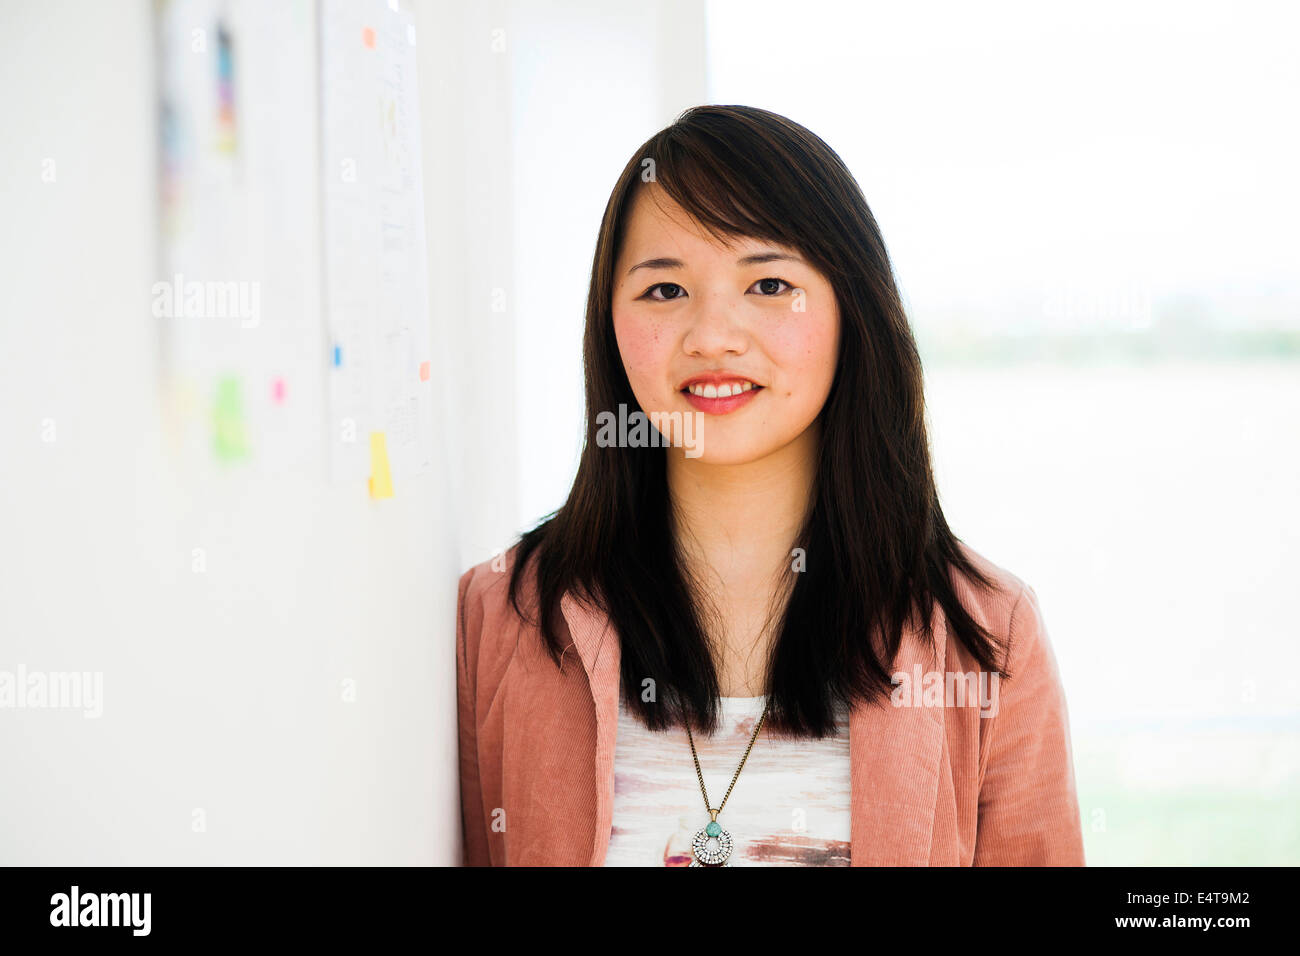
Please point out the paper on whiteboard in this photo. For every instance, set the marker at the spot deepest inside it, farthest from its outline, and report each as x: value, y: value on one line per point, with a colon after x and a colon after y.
x: 238, y: 284
x: 376, y: 285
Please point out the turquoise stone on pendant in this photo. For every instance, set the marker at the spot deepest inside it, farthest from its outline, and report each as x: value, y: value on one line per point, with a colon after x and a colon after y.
x: 712, y: 845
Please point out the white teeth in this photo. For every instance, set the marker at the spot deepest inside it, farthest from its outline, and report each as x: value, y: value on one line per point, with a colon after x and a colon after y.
x: 720, y: 391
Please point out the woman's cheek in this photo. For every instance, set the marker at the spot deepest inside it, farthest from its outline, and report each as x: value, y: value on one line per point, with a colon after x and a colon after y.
x: 644, y: 348
x: 804, y: 346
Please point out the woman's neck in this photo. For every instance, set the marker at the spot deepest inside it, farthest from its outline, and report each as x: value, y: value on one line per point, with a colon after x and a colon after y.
x: 737, y: 509
x: 737, y: 525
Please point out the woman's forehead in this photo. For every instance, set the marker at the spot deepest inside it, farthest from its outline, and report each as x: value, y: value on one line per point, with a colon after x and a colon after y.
x: 658, y: 226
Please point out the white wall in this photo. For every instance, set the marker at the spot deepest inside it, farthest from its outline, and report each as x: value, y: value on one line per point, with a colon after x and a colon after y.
x: 469, y: 154
x: 221, y: 690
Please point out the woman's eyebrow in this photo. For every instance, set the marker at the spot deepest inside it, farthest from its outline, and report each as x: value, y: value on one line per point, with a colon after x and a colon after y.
x: 767, y: 256
x: 750, y: 260
x: 661, y: 263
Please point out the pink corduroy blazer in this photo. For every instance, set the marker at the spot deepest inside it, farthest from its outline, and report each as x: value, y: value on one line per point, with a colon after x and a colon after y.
x: 934, y: 785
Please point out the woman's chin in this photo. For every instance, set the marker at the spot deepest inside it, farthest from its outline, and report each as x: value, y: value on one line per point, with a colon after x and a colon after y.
x: 718, y: 450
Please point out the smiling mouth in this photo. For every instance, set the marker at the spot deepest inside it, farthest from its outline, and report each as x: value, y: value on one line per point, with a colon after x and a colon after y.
x: 703, y: 390
x: 720, y: 399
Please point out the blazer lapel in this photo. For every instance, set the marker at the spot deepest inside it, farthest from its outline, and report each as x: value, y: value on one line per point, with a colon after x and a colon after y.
x: 895, y: 753
x: 598, y: 647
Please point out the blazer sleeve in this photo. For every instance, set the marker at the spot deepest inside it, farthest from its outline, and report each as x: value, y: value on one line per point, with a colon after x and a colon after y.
x: 1028, y: 806
x: 469, y: 625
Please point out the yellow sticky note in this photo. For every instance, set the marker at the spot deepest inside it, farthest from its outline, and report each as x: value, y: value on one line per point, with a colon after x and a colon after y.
x: 381, y: 479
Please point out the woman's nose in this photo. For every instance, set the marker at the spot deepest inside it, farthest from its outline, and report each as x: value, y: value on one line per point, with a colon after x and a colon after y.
x: 716, y: 328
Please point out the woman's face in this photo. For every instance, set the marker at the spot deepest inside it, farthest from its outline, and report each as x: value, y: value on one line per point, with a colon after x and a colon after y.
x: 693, y: 316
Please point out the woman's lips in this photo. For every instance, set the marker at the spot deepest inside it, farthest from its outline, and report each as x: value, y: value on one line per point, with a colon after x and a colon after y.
x: 721, y: 406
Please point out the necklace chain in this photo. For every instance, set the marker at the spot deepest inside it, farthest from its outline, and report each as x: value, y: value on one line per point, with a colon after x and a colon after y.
x: 713, y: 814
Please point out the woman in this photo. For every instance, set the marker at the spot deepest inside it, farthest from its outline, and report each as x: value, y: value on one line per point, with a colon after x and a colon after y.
x: 749, y: 636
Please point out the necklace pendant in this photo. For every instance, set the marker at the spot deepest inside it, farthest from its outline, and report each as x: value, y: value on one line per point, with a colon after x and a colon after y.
x: 712, y: 845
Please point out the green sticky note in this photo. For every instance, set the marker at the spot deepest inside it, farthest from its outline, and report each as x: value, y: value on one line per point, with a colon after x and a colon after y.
x: 229, y: 429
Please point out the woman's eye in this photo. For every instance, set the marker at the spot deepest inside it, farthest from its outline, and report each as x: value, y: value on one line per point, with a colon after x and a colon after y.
x: 770, y: 287
x: 672, y: 289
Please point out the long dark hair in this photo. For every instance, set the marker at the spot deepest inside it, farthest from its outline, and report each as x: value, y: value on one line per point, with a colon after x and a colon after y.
x: 877, y: 547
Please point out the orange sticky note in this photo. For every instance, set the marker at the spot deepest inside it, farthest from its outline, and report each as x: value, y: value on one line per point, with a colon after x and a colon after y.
x: 381, y: 479
x: 368, y: 37
x: 424, y: 371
